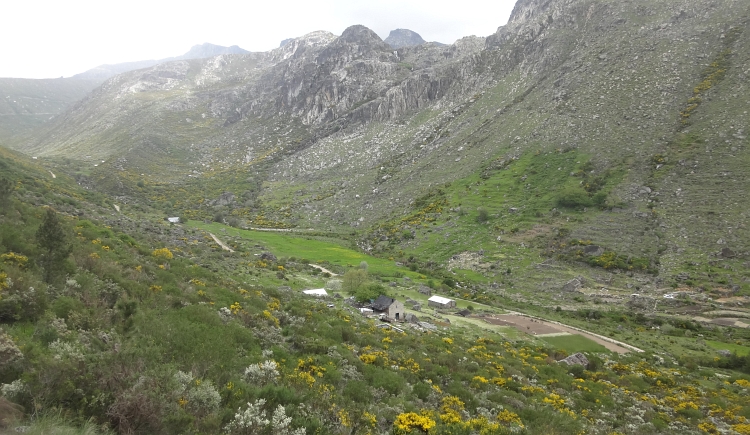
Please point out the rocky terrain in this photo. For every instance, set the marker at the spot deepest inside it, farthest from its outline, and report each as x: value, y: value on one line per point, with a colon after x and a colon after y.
x: 617, y: 124
x: 400, y: 38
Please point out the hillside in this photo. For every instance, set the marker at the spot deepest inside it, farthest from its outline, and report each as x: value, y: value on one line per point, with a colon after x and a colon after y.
x: 25, y: 104
x: 148, y: 327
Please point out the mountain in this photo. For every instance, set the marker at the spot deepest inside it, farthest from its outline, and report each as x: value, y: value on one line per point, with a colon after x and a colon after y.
x: 25, y: 104
x: 201, y: 51
x: 403, y: 38
x: 618, y: 125
x: 103, y: 72
x: 576, y: 183
x: 206, y: 50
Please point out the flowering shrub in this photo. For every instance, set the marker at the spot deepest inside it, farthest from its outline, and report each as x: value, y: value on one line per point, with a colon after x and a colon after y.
x: 66, y: 350
x: 200, y: 396
x: 450, y: 411
x: 13, y: 390
x: 9, y: 352
x: 14, y: 259
x: 254, y: 419
x: 406, y: 422
x: 162, y: 253
x: 262, y: 373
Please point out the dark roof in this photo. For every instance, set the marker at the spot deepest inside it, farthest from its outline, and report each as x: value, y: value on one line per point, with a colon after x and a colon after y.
x: 464, y: 313
x: 382, y: 303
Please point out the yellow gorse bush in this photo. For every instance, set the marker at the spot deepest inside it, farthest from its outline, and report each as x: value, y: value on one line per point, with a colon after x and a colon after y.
x: 162, y: 253
x: 406, y: 422
x: 14, y: 259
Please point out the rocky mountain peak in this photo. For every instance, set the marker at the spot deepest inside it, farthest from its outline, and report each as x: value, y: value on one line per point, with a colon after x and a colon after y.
x: 404, y: 38
x: 525, y: 10
x: 205, y: 50
x: 360, y: 35
x: 295, y: 46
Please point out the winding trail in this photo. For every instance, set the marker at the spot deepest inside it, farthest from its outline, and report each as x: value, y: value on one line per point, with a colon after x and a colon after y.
x: 223, y: 246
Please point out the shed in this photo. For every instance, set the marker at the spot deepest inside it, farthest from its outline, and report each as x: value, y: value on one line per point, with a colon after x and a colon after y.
x: 317, y: 292
x: 440, y: 302
x: 174, y: 220
x: 392, y: 308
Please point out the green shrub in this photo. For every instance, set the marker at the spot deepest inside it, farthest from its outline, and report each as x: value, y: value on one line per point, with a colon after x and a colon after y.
x: 574, y: 197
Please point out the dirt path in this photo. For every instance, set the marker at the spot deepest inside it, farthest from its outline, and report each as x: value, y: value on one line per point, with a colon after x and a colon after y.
x: 223, y: 246
x: 51, y: 173
x: 323, y: 269
x: 540, y: 328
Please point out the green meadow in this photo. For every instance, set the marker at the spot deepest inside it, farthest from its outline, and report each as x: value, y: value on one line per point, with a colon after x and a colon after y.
x: 734, y: 348
x: 286, y: 244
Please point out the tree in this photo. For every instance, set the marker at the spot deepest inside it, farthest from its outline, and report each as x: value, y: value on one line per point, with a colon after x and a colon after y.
x: 369, y: 292
x: 353, y: 279
x: 52, y: 239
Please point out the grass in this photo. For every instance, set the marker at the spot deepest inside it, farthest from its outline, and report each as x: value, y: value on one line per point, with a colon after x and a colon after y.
x: 574, y: 343
x: 734, y: 348
x: 316, y: 251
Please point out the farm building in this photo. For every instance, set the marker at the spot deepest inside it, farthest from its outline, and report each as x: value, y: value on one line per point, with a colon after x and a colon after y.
x: 318, y: 292
x: 440, y: 302
x: 392, y: 308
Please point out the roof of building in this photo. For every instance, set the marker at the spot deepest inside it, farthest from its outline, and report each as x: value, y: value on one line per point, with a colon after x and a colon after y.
x: 440, y: 299
x: 382, y: 303
x: 316, y: 292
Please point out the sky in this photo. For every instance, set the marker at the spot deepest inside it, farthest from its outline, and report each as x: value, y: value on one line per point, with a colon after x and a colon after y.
x: 54, y: 38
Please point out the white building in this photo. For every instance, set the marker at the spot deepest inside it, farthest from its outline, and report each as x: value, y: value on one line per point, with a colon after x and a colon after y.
x: 440, y: 302
x: 317, y: 292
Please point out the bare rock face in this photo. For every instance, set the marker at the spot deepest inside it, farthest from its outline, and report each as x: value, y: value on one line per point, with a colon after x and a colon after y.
x: 400, y: 38
x: 225, y: 199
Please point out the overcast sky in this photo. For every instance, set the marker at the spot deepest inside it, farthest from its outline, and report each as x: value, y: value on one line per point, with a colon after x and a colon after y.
x: 54, y: 38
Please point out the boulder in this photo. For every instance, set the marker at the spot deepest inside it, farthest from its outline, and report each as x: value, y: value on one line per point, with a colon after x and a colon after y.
x: 576, y: 359
x: 267, y: 256
x: 593, y: 250
x: 572, y: 286
x: 411, y: 318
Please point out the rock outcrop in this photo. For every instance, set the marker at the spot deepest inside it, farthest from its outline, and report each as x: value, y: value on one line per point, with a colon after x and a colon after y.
x: 400, y: 38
